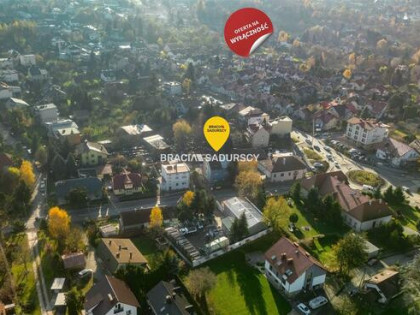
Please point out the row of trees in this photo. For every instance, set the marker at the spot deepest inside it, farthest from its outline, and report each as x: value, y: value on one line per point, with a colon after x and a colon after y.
x: 194, y: 204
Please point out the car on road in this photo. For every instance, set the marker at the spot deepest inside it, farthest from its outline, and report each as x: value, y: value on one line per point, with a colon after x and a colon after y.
x: 308, y: 141
x: 317, y: 148
x: 405, y: 189
x: 318, y: 164
x: 318, y: 302
x: 83, y: 273
x: 337, y: 165
x: 367, y: 188
x: 328, y: 149
x: 183, y: 231
x: 303, y: 309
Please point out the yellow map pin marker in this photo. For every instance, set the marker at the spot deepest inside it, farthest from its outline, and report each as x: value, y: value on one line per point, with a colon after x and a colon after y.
x: 216, y: 130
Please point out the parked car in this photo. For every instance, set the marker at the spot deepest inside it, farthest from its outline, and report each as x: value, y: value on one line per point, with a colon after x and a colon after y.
x: 308, y: 141
x: 183, y: 231
x: 84, y: 273
x: 337, y: 165
x: 367, y: 188
x: 318, y: 164
x: 317, y: 148
x: 304, y: 309
x: 328, y: 149
x: 406, y: 189
x: 318, y: 302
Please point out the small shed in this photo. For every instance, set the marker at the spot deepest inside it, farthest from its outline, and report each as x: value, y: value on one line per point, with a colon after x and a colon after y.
x: 74, y: 261
x: 109, y: 230
x: 58, y: 285
x: 371, y: 249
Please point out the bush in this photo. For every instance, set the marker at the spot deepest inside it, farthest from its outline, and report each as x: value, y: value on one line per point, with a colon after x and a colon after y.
x: 312, y: 155
x: 365, y: 178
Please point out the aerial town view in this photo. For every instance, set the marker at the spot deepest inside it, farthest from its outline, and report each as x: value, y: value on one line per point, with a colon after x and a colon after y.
x: 209, y: 157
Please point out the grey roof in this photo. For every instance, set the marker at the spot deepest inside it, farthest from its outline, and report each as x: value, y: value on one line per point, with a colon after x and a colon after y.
x: 284, y: 164
x: 92, y: 185
x: 168, y: 298
x: 105, y: 294
x: 237, y: 206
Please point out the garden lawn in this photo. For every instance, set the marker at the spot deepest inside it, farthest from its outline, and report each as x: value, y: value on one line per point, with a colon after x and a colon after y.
x: 323, y: 250
x: 147, y: 246
x: 312, y: 155
x: 316, y: 226
x: 365, y: 178
x: 24, y: 280
x: 241, y: 289
x: 407, y: 215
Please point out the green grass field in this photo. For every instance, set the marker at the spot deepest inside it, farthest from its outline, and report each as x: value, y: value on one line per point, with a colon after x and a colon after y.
x: 365, y: 178
x: 241, y: 289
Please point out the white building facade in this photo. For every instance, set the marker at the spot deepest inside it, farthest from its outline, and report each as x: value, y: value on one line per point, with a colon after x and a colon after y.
x: 366, y: 132
x: 175, y: 177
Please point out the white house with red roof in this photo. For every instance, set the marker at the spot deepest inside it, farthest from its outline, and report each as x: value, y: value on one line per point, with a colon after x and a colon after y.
x: 365, y: 132
x: 291, y: 269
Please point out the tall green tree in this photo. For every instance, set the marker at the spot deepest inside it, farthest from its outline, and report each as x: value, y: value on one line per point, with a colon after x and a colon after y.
x: 350, y: 252
x: 74, y: 301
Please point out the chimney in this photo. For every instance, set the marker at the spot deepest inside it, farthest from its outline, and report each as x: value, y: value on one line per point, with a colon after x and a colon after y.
x: 296, y: 244
x: 370, y: 202
x: 283, y: 256
x: 117, y: 255
x: 307, y: 254
x: 173, y: 294
x: 284, y: 161
x: 296, y: 252
x: 168, y: 299
x: 109, y: 243
x: 290, y: 260
x: 380, y: 200
x: 119, y: 247
x: 131, y: 255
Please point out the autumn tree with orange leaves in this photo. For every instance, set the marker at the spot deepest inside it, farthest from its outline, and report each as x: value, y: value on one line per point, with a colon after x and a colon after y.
x: 156, y: 217
x: 27, y: 173
x: 58, y: 223
x: 188, y: 197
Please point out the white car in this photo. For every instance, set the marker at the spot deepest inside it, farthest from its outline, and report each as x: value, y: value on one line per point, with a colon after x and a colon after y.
x: 84, y: 272
x: 304, y: 309
x: 183, y: 231
x: 318, y: 302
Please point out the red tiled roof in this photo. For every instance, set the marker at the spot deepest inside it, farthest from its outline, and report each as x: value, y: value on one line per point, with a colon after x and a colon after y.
x: 285, y: 255
x: 120, y: 180
x: 352, y: 201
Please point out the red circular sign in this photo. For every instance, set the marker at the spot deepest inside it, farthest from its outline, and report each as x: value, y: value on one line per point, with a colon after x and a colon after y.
x: 246, y: 29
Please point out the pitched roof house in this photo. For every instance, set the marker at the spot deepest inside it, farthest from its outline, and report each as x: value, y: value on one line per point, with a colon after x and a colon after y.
x: 110, y: 296
x: 360, y: 212
x: 282, y: 168
x: 133, y: 221
x: 397, y: 152
x: 116, y: 253
x: 92, y: 153
x: 258, y: 135
x: 74, y: 260
x: 169, y: 298
x: 386, y: 283
x: 292, y: 269
x: 127, y: 183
